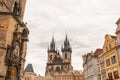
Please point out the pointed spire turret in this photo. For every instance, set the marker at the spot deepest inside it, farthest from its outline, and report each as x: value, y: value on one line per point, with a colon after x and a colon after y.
x: 67, y: 46
x: 52, y: 46
x: 66, y: 42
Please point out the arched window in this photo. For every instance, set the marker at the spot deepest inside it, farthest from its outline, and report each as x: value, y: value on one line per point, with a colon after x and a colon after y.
x: 58, y: 69
x: 51, y: 57
x: 65, y: 56
x: 17, y: 9
x: 24, y: 33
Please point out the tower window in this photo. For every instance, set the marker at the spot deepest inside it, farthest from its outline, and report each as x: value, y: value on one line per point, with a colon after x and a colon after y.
x: 50, y: 57
x: 24, y: 33
x: 16, y: 9
x: 58, y: 69
x: 65, y: 56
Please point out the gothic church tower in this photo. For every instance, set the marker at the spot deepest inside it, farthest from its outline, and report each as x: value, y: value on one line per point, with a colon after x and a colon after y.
x: 57, y: 63
x: 66, y: 51
x: 13, y: 39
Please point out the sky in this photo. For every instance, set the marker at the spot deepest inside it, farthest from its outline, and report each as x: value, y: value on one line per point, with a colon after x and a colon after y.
x: 84, y: 21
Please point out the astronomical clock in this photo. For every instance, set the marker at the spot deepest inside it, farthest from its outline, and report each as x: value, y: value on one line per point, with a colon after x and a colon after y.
x: 16, y: 53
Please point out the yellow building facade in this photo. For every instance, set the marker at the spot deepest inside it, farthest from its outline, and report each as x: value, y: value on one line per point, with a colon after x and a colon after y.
x: 111, y: 58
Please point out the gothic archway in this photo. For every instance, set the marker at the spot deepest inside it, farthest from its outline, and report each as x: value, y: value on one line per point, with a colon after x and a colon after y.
x: 58, y: 69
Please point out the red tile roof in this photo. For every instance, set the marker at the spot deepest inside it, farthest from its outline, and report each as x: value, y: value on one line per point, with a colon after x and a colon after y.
x: 98, y: 52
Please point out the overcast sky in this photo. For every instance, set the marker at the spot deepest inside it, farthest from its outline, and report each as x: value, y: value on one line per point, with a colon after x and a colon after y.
x: 85, y: 21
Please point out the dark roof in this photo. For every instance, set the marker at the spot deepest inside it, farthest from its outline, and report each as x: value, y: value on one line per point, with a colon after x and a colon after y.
x: 52, y: 46
x: 118, y: 21
x: 29, y: 68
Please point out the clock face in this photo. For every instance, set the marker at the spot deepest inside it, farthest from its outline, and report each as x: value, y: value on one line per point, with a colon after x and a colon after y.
x: 16, y: 53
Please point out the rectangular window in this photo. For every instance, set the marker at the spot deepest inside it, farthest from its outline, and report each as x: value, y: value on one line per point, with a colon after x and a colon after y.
x: 108, y: 62
x: 106, y: 48
x: 110, y: 47
x: 113, y: 58
x: 110, y: 76
x: 116, y: 75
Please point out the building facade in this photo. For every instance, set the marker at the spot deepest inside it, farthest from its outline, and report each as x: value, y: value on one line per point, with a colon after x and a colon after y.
x: 29, y: 73
x: 118, y: 39
x: 111, y: 61
x: 59, y: 66
x: 13, y: 39
x: 39, y: 78
x: 101, y: 66
x: 91, y: 65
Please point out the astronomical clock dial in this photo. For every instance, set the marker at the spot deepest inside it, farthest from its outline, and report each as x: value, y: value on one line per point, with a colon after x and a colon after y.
x: 16, y: 53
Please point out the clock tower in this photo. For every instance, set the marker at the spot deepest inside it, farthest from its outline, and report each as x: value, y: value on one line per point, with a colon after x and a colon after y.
x: 13, y: 39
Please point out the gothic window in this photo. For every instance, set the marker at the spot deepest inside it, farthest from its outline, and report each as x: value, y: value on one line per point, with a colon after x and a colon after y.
x: 61, y: 67
x: 110, y: 76
x: 16, y: 9
x: 116, y: 75
x: 24, y: 33
x: 65, y: 55
x: 51, y: 57
x: 113, y: 58
x: 58, y: 69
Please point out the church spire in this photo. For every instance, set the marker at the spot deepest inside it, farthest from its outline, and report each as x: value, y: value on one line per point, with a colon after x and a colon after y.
x: 52, y: 46
x: 66, y: 45
x: 66, y: 42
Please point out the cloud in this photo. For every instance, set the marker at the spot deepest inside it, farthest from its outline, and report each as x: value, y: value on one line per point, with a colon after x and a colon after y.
x: 85, y: 21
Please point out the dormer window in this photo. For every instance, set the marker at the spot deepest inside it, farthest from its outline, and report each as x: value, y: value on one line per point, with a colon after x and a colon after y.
x: 17, y: 9
x: 24, y: 33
